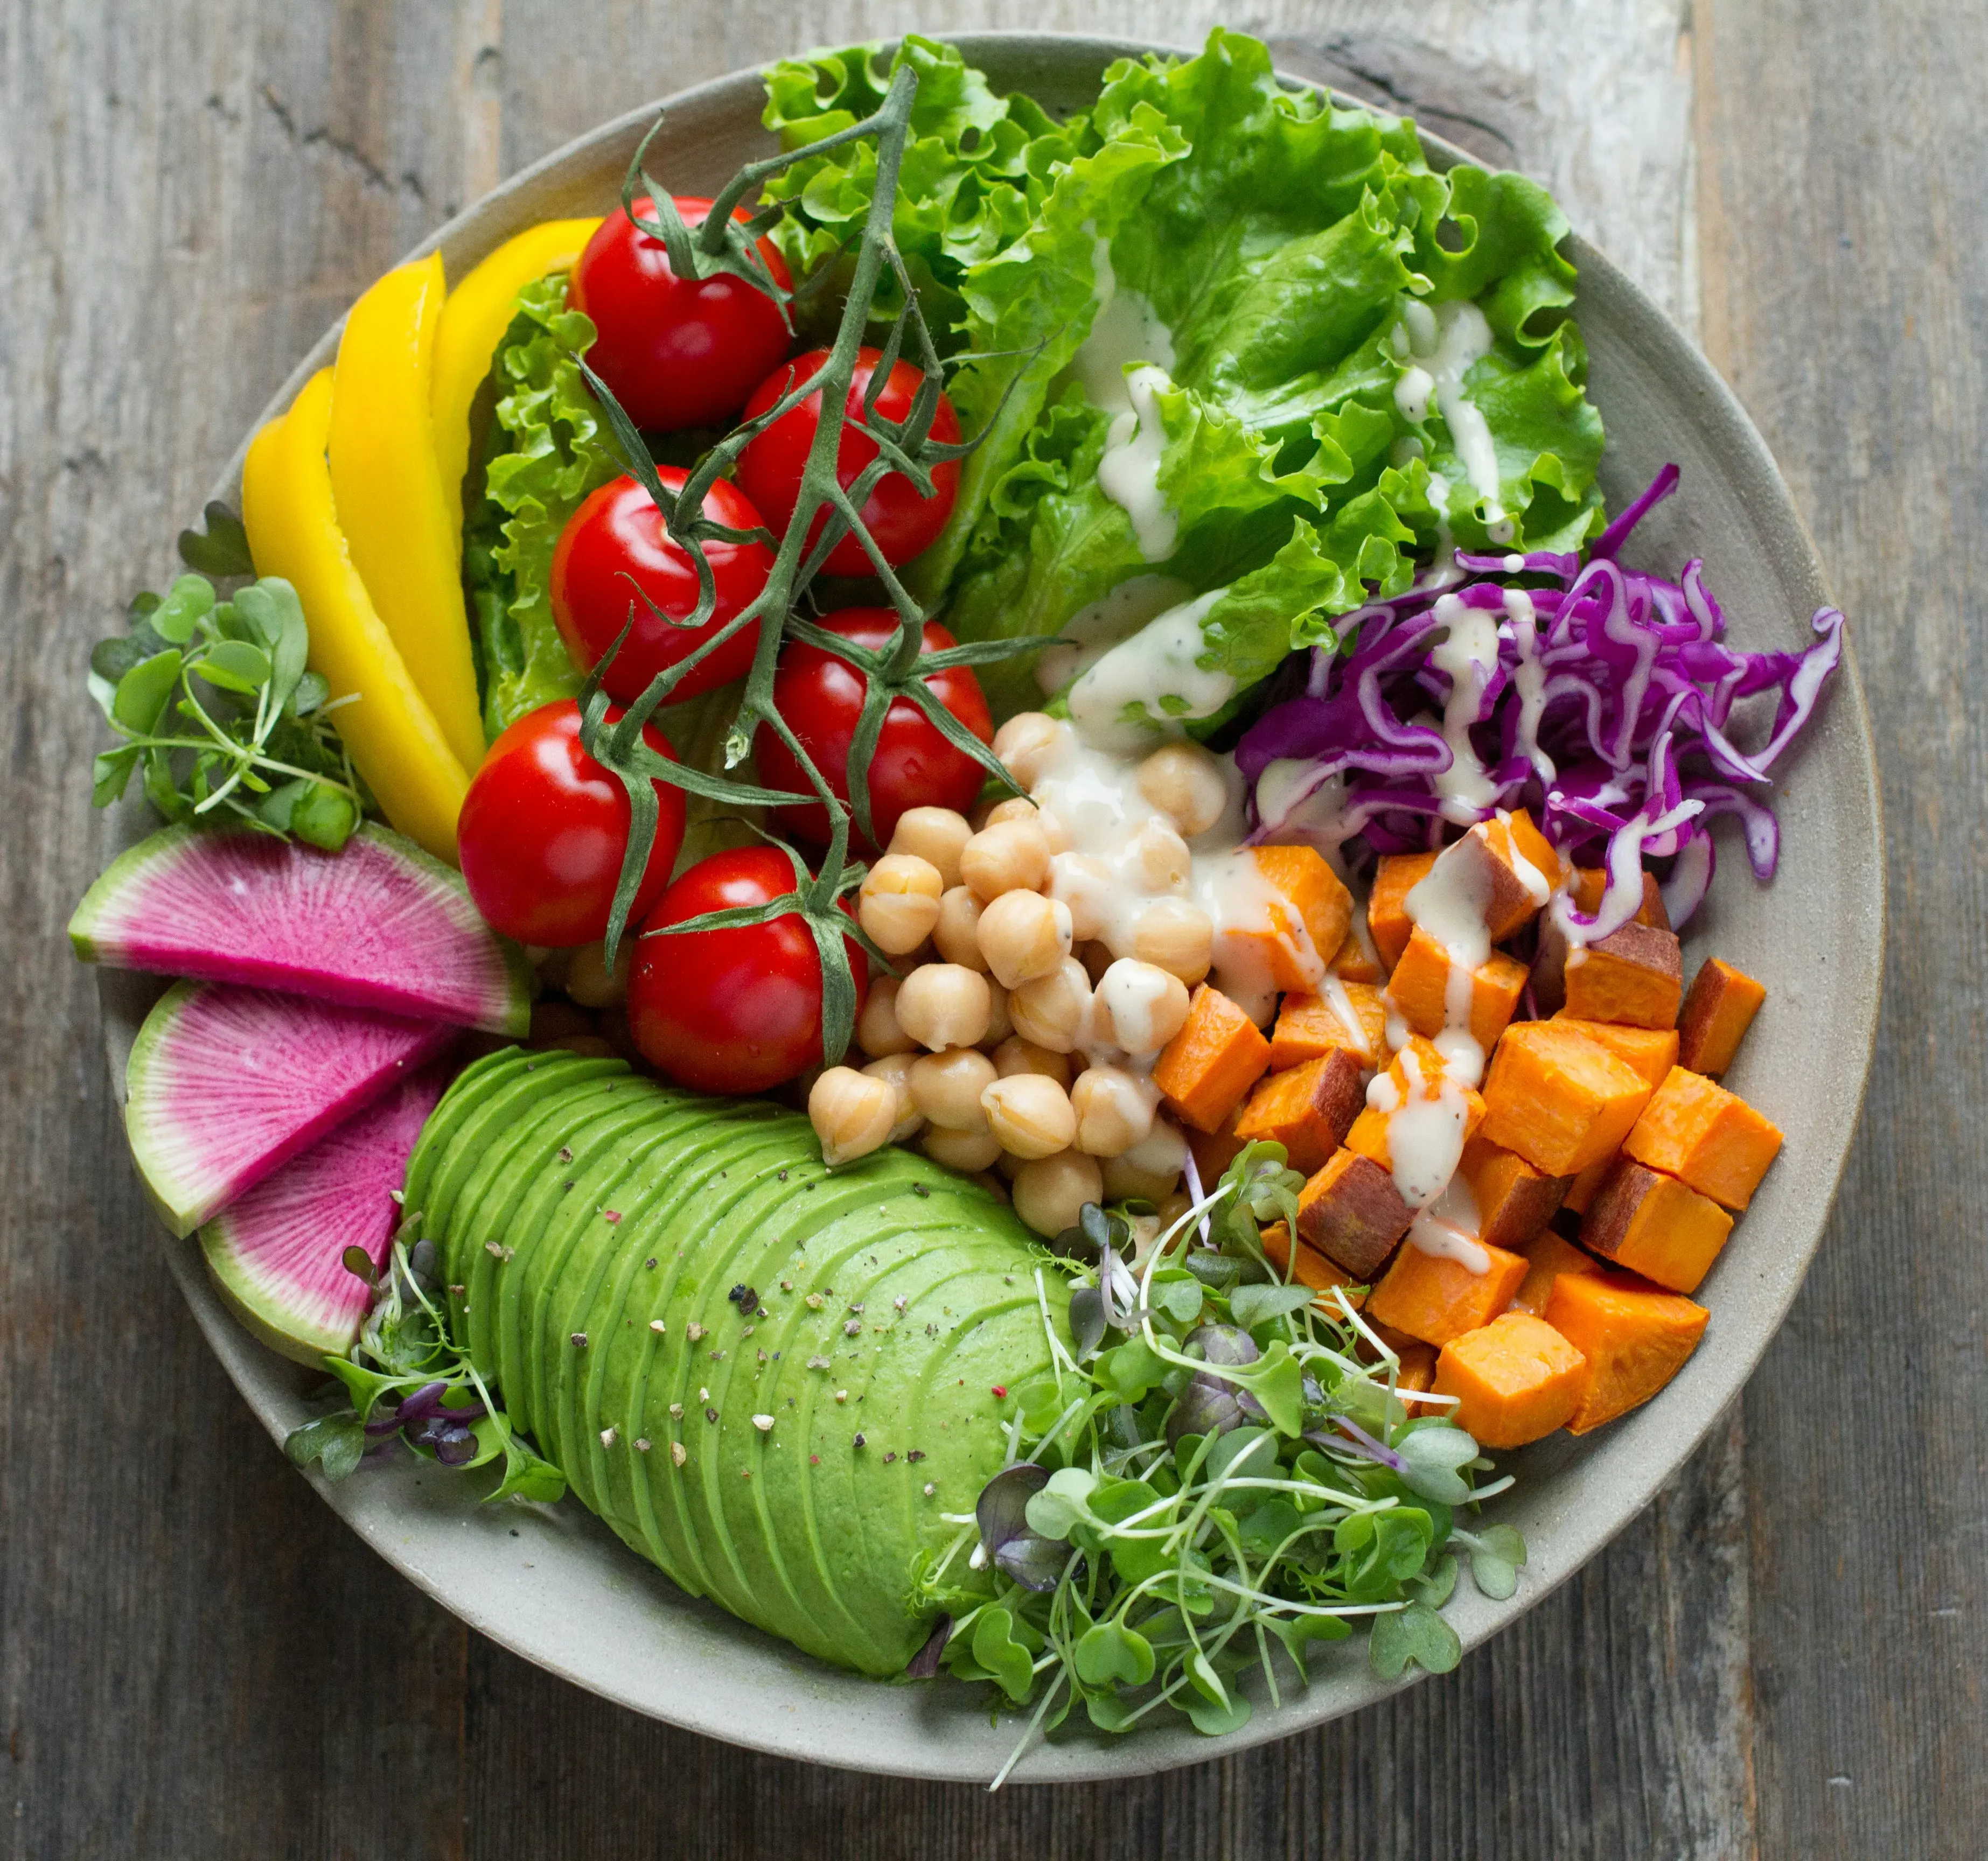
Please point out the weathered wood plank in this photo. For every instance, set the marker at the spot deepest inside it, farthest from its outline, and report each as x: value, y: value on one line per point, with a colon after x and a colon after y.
x: 1844, y: 297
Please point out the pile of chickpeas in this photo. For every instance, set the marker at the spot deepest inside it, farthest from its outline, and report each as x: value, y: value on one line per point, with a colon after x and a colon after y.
x: 1017, y: 1040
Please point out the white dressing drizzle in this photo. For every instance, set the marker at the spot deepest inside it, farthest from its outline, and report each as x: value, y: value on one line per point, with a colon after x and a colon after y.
x: 1469, y: 653
x: 1529, y: 678
x: 1094, y: 629
x: 1332, y: 990
x: 1448, y: 1228
x: 1124, y: 330
x: 1129, y: 472
x: 1446, y: 343
x: 1159, y: 661
x: 1425, y: 1131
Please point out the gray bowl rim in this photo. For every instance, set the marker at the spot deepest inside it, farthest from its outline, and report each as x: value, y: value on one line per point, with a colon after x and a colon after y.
x: 952, y: 1742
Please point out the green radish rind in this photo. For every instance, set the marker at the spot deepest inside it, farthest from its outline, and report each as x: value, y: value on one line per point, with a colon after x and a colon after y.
x: 795, y: 1529
x: 483, y: 980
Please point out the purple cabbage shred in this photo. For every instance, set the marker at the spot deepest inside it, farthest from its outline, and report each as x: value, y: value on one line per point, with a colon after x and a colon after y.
x: 1609, y: 714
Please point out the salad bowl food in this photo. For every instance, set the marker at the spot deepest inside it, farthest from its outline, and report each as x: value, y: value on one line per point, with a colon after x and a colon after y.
x: 554, y: 1584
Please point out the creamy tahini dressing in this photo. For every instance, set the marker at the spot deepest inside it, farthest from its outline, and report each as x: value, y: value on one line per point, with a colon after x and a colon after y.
x: 1469, y: 653
x: 1529, y: 677
x: 1094, y: 629
x: 1444, y: 344
x: 1124, y: 329
x: 1129, y: 472
x: 1160, y: 661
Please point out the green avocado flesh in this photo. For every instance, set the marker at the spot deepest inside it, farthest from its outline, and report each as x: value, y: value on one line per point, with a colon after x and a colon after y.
x: 591, y: 1219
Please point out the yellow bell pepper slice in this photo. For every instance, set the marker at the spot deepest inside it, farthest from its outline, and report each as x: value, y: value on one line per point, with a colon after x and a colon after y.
x: 387, y: 484
x: 473, y: 322
x: 395, y: 741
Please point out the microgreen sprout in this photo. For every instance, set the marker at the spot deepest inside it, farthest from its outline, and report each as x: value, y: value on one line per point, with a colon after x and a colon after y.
x: 1213, y: 1467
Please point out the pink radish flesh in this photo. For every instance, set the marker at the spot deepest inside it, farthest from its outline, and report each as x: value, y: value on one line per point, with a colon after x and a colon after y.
x: 380, y: 925
x: 225, y: 1084
x: 278, y: 1254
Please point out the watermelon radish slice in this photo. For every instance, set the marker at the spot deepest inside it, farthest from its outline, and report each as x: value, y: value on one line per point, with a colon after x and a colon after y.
x: 226, y: 1085
x: 380, y: 925
x: 278, y: 1254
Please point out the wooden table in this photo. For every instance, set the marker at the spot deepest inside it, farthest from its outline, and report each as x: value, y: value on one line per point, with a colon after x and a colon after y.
x: 1784, y: 1657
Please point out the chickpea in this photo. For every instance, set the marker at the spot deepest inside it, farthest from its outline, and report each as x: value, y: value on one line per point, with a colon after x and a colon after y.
x: 1016, y: 1056
x: 969, y: 1152
x: 1177, y: 936
x: 878, y: 1031
x: 1050, y: 1193
x: 1096, y: 958
x: 898, y: 904
x: 1161, y: 859
x: 587, y: 981
x: 896, y: 1068
x: 1163, y: 1152
x: 943, y: 1005
x: 1028, y: 743
x: 1051, y: 1010
x: 1185, y: 783
x: 1020, y: 808
x: 1124, y: 1180
x: 1005, y: 856
x: 1031, y: 1116
x: 1023, y: 935
x: 947, y: 1088
x: 852, y: 1113
x: 956, y: 936
x: 1114, y: 1110
x: 1147, y: 1004
x: 935, y: 836
x: 1000, y: 1023
x: 1085, y: 885
x: 993, y: 1185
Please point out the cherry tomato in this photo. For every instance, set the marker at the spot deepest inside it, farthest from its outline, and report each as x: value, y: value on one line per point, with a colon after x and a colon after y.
x: 902, y: 522
x: 544, y: 828
x: 675, y: 353
x: 617, y: 535
x: 914, y: 766
x: 736, y: 1010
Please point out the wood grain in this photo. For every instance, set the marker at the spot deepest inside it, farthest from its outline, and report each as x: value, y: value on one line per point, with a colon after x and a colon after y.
x: 194, y: 1658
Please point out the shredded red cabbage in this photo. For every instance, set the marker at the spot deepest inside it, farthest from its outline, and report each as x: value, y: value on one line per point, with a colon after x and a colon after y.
x: 1606, y: 711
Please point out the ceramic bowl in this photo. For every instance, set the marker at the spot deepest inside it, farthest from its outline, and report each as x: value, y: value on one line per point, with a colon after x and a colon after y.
x: 556, y: 1588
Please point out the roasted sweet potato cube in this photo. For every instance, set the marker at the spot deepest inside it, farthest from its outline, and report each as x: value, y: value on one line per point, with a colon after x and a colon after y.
x: 1653, y: 1052
x: 1634, y: 1336
x: 1416, y: 1076
x: 1557, y: 1098
x: 1358, y: 960
x: 1308, y: 1109
x: 1416, y: 1374
x: 1500, y: 862
x: 1582, y: 1190
x: 1213, y: 1151
x: 1654, y: 1225
x: 1548, y: 1256
x: 1588, y: 882
x: 1309, y: 1026
x: 1308, y: 1267
x: 1635, y: 976
x: 1436, y: 1298
x: 1323, y: 905
x: 1387, y: 908
x: 1516, y: 1379
x: 1514, y: 1199
x: 1705, y: 1136
x: 1213, y: 1062
x: 1353, y: 1213
x: 1717, y: 1012
x: 1420, y: 985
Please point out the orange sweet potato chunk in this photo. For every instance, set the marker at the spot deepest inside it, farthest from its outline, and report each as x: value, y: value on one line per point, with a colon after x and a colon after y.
x: 1420, y: 1059
x: 1588, y: 882
x: 1416, y: 1372
x: 1308, y: 1027
x: 1516, y: 1379
x: 1717, y: 1013
x: 1511, y: 868
x: 1514, y: 1200
x: 1634, y: 1336
x: 1705, y: 1136
x: 1322, y: 904
x: 1653, y: 1052
x: 1548, y: 1256
x: 1213, y: 1062
x: 1308, y: 1109
x: 1581, y: 1192
x: 1387, y: 909
x: 1557, y: 1098
x: 1635, y: 976
x: 1420, y: 985
x: 1434, y: 1298
x: 1358, y: 960
x: 1654, y: 1225
x: 1353, y: 1213
x: 1308, y: 1267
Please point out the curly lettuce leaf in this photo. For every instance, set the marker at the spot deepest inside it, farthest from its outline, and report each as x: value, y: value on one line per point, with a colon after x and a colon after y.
x: 547, y: 450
